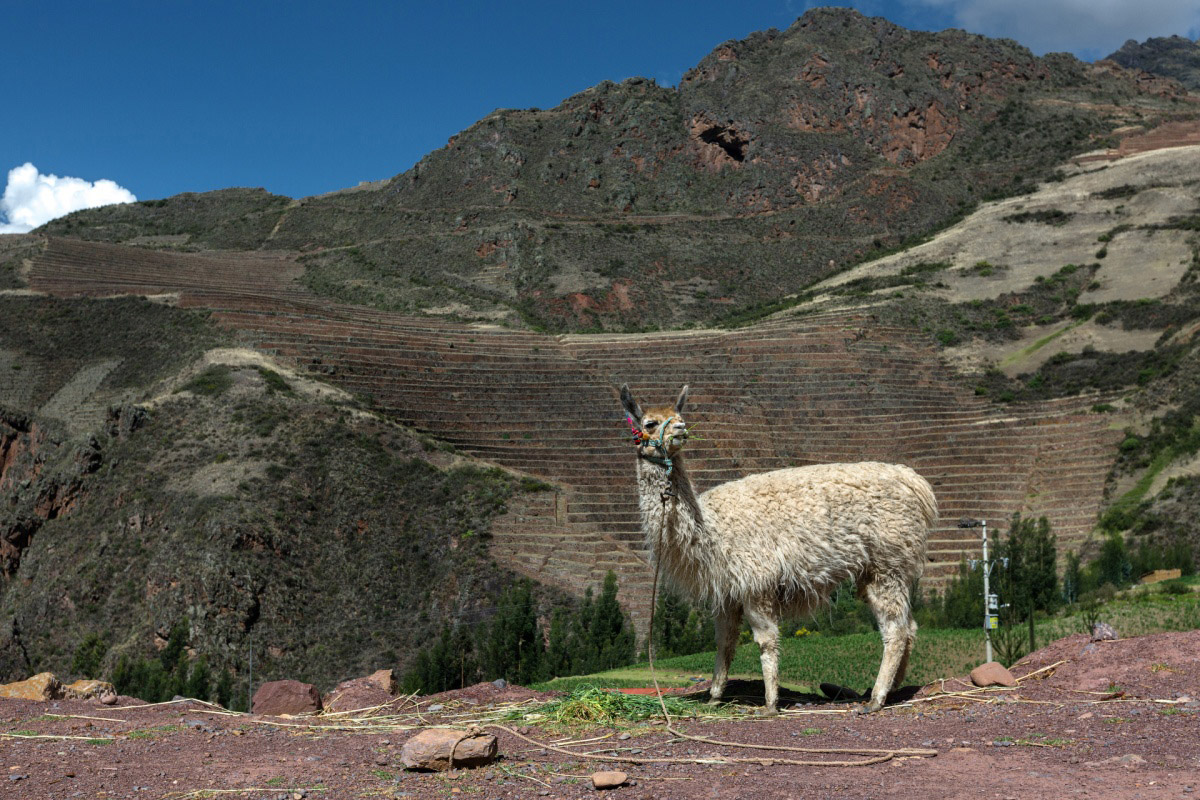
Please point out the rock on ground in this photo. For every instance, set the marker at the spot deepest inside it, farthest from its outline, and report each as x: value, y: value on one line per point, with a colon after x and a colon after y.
x: 434, y: 748
x: 359, y: 693
x: 87, y: 689
x: 992, y: 673
x: 43, y: 686
x: 608, y: 779
x: 286, y: 697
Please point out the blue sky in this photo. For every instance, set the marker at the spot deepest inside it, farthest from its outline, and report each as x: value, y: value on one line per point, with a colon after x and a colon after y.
x: 299, y: 97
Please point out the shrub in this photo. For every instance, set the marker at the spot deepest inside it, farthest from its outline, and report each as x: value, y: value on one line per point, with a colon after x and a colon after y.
x: 89, y: 656
x: 212, y: 382
x: 679, y: 629
x: 1113, y: 566
x: 157, y: 680
x: 595, y: 636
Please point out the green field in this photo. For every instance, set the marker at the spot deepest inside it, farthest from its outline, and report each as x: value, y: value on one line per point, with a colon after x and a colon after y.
x: 852, y: 660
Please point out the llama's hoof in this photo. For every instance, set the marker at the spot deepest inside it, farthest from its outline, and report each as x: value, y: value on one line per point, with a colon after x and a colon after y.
x: 715, y: 701
x: 766, y: 712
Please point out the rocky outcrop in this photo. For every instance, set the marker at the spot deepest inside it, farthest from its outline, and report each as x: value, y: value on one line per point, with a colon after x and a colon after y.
x: 29, y: 495
x: 43, y: 475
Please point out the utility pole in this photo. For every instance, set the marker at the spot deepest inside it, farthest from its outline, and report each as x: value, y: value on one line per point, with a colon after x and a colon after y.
x: 991, y: 602
x: 250, y: 682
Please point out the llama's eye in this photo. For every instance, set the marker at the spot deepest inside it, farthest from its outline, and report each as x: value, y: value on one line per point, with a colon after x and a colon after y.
x: 650, y: 425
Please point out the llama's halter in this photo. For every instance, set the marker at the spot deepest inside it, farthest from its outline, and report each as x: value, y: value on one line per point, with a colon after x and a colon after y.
x: 641, y: 439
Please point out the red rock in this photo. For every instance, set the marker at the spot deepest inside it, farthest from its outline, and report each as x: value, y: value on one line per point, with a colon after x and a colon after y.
x: 357, y: 693
x: 43, y: 686
x: 86, y: 689
x: 384, y: 679
x: 431, y: 749
x: 608, y: 780
x: 286, y: 697
x: 992, y: 673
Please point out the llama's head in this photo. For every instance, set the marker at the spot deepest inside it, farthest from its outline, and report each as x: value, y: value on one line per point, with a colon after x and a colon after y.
x: 660, y: 432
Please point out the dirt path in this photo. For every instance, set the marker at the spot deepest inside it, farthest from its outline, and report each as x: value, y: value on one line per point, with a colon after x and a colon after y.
x: 1111, y: 720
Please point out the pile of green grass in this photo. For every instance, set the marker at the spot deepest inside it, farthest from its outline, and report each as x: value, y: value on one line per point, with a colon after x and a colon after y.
x: 591, y: 705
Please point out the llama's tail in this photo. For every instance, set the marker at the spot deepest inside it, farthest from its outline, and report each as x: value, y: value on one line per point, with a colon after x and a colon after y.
x: 924, y: 494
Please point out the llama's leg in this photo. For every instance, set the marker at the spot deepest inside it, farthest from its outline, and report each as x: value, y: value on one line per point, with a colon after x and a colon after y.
x: 728, y: 624
x: 889, y: 601
x: 902, y: 669
x: 765, y: 625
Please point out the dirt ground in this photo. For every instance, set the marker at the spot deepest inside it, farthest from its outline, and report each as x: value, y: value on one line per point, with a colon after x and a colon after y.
x: 1109, y: 719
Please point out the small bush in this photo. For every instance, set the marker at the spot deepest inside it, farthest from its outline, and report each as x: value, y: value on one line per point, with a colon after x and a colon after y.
x: 1047, y: 216
x: 212, y: 382
x: 274, y: 381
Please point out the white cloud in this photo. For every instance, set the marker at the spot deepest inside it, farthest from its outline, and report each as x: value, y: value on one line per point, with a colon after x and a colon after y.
x: 1089, y: 28
x: 32, y: 199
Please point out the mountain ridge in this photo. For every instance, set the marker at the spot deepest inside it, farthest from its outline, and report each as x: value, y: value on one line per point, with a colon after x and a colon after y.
x: 791, y: 154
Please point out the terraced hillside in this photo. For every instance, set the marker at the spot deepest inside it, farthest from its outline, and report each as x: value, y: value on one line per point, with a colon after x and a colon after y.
x: 1004, y: 357
x: 795, y: 390
x: 777, y: 161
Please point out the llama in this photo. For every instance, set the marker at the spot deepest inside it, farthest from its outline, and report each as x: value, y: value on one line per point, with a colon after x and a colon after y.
x: 781, y: 543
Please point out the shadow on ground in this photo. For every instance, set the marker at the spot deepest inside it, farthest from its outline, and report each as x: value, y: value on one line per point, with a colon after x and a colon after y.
x: 752, y: 693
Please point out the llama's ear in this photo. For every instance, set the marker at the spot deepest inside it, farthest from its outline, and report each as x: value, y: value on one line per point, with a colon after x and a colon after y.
x: 679, y: 404
x: 631, y: 406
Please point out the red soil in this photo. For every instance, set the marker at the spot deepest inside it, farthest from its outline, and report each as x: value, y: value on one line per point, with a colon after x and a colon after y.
x: 1060, y: 733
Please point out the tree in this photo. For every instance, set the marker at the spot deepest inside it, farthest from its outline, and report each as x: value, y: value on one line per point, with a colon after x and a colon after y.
x: 198, y: 680
x: 611, y: 632
x: 513, y: 647
x: 962, y: 599
x: 224, y: 689
x: 1072, y: 580
x: 449, y: 663
x: 176, y: 644
x: 679, y: 629
x: 1113, y: 566
x: 89, y: 656
x: 559, y: 645
x: 1029, y: 580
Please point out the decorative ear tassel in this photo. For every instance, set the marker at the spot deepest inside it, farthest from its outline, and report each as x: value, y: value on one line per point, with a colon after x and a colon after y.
x: 638, y: 434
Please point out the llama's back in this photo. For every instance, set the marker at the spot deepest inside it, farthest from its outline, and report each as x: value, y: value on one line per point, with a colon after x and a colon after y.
x: 825, y: 522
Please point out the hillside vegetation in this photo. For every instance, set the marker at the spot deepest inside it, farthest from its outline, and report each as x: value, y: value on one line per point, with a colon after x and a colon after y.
x: 260, y: 511
x: 1171, y: 56
x: 778, y: 160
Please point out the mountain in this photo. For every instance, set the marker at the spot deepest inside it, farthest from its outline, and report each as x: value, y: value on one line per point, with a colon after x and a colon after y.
x: 321, y: 429
x: 1174, y: 57
x: 778, y: 160
x: 265, y: 510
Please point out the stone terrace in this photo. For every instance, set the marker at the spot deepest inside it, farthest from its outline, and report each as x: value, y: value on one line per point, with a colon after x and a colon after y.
x: 791, y: 391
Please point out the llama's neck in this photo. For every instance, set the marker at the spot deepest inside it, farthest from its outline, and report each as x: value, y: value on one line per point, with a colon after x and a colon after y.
x: 674, y: 528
